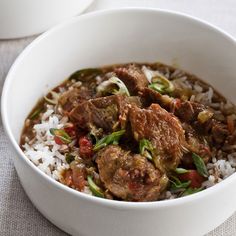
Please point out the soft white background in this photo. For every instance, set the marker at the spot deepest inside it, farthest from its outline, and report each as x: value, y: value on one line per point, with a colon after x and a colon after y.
x: 17, y: 215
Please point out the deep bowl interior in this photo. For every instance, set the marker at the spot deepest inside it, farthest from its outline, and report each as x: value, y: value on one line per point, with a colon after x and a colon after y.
x: 113, y: 37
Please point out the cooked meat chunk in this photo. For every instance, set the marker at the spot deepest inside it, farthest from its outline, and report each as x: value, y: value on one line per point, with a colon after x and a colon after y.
x: 219, y: 132
x: 163, y: 130
x: 133, y: 78
x: 108, y: 113
x: 195, y: 144
x: 69, y: 99
x: 150, y: 96
x: 129, y: 176
x: 188, y: 111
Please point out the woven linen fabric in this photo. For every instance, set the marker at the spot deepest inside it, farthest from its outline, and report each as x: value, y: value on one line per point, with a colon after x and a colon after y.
x: 17, y: 214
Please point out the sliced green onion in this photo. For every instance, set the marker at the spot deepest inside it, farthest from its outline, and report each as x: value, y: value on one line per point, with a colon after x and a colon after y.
x: 181, y: 171
x: 36, y: 113
x: 94, y: 188
x: 106, y: 85
x: 81, y: 74
x: 146, y: 148
x: 190, y: 191
x: 176, y: 184
x: 200, y: 165
x: 69, y: 158
x: 54, y: 99
x: 61, y: 134
x: 112, y: 138
x: 158, y: 81
x: 157, y: 87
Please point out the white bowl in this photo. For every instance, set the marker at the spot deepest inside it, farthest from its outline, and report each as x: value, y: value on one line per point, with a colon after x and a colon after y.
x: 19, y: 18
x: 102, y: 38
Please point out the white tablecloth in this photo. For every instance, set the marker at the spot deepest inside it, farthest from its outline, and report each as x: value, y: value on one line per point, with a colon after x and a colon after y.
x: 17, y: 214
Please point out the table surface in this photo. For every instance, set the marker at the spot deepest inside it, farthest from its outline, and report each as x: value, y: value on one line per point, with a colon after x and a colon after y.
x: 17, y: 214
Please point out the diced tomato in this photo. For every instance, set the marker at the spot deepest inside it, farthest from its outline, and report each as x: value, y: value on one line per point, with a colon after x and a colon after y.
x: 195, y: 178
x: 70, y: 130
x: 58, y: 140
x: 85, y: 147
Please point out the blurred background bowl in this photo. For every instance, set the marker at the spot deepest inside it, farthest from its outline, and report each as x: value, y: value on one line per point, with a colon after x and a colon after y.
x: 20, y: 18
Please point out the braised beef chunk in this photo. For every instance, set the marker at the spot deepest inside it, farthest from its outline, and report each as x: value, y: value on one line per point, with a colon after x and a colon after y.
x: 163, y: 130
x: 108, y: 113
x: 133, y: 78
x: 188, y: 111
x: 70, y: 99
x: 149, y: 96
x: 219, y: 132
x: 130, y: 177
x: 195, y: 143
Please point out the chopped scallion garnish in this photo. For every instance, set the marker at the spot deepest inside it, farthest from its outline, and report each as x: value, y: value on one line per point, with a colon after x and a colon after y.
x: 200, y: 165
x: 146, y: 148
x: 94, y: 188
x: 61, y: 134
x: 81, y: 74
x: 36, y: 113
x: 54, y: 98
x: 176, y: 184
x: 190, y: 191
x: 113, y: 86
x: 112, y: 138
x: 69, y: 158
x: 181, y: 171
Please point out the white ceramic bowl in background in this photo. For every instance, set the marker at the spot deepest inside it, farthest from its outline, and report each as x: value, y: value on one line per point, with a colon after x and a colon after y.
x: 19, y: 18
x: 102, y: 38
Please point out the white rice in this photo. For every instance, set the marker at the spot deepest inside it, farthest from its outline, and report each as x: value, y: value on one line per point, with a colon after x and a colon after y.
x: 43, y: 151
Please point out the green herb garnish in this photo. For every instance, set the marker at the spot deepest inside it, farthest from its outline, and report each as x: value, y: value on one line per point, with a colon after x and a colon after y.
x: 176, y: 184
x: 200, y: 165
x: 69, y: 158
x: 85, y: 73
x: 190, y: 191
x: 181, y: 171
x: 113, y: 86
x: 61, y: 134
x: 157, y: 87
x: 94, y: 188
x: 112, y: 138
x: 146, y: 148
x: 36, y: 113
x: 161, y: 84
x: 54, y: 98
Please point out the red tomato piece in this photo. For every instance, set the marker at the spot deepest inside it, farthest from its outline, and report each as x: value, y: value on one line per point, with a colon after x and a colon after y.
x: 195, y: 178
x: 85, y: 147
x: 58, y: 140
x: 70, y: 130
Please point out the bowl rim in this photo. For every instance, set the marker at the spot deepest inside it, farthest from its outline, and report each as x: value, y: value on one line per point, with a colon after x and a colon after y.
x: 92, y: 199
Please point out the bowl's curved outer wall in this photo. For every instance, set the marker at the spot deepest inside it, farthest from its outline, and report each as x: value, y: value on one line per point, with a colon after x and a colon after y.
x: 28, y: 17
x: 117, y: 37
